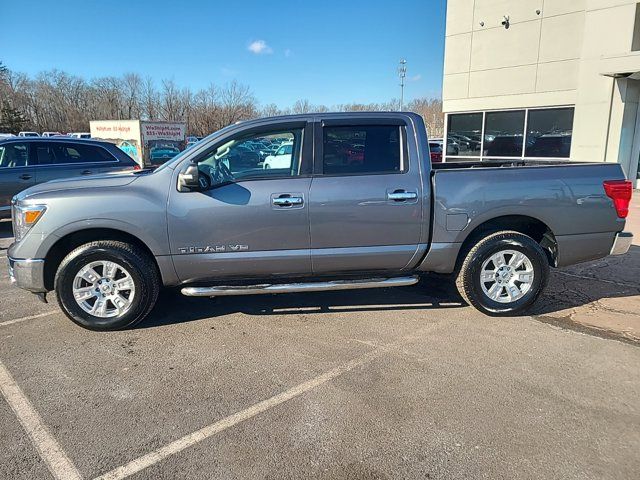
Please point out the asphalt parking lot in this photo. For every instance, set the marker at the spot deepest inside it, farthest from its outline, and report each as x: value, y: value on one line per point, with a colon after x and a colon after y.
x: 371, y: 384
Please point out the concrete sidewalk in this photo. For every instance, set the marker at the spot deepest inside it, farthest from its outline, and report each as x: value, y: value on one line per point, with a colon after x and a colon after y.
x: 603, y: 295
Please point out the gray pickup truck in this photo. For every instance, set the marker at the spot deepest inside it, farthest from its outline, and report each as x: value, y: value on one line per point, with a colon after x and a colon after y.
x: 353, y: 203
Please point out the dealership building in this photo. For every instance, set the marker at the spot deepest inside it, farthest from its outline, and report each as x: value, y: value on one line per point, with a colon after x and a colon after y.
x: 543, y: 79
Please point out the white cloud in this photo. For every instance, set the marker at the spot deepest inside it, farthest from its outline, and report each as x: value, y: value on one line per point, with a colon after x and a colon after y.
x: 415, y: 78
x: 259, y: 47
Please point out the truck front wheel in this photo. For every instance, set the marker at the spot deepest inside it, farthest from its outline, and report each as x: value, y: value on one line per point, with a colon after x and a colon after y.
x: 503, y: 274
x: 107, y: 285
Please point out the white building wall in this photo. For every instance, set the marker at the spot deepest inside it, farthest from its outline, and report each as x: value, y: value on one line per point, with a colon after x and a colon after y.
x: 555, y: 52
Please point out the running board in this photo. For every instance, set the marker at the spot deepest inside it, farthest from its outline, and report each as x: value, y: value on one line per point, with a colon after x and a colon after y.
x: 298, y: 287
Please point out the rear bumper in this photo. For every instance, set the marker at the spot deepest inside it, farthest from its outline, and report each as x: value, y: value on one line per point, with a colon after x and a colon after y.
x: 621, y: 243
x: 27, y: 273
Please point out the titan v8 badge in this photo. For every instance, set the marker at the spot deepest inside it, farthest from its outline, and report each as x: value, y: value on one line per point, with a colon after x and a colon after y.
x: 213, y: 249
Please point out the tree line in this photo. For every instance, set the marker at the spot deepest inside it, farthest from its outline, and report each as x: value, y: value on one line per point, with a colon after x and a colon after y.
x: 57, y: 101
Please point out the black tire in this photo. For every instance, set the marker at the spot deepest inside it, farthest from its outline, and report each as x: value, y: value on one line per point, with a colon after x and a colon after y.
x: 139, y: 265
x: 469, y: 282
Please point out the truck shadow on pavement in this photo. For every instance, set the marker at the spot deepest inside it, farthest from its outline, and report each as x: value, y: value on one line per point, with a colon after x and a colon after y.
x: 428, y: 294
x: 6, y: 234
x: 610, y: 277
x: 582, y: 284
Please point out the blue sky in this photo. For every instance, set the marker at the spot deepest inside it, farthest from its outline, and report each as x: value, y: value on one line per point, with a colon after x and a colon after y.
x: 327, y: 51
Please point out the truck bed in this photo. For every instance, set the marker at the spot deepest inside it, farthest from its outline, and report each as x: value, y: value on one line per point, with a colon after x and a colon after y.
x: 567, y: 198
x: 502, y: 163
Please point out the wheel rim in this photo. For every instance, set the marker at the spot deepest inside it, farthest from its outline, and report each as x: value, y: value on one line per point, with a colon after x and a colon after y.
x: 506, y: 276
x: 104, y: 289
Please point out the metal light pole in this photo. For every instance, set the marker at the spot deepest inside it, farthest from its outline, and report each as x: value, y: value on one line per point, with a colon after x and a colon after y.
x: 402, y: 72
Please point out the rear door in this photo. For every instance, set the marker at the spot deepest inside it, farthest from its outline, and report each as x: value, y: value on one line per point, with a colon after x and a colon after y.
x: 16, y: 172
x: 72, y: 159
x: 366, y: 197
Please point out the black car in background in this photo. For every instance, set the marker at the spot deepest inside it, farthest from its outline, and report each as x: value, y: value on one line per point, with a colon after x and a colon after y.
x: 26, y: 161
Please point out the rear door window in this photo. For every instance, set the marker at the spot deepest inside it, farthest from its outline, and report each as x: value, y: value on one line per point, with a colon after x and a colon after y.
x: 361, y: 150
x: 71, y: 153
x: 14, y: 155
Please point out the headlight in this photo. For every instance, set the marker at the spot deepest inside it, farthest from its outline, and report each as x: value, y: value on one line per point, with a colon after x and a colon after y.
x: 24, y: 217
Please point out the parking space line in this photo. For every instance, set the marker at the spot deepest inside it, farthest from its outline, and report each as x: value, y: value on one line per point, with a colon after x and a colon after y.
x: 30, y: 317
x: 50, y: 451
x: 198, y: 436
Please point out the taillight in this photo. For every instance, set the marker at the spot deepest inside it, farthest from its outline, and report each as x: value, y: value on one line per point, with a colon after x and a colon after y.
x: 620, y: 192
x: 137, y: 167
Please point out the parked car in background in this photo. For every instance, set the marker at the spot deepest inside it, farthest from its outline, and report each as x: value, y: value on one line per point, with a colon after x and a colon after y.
x: 161, y: 153
x: 435, y: 152
x: 80, y: 135
x: 50, y: 134
x: 25, y: 162
x: 453, y: 148
x: 129, y: 148
x: 28, y: 134
x: 6, y: 135
x: 281, y: 158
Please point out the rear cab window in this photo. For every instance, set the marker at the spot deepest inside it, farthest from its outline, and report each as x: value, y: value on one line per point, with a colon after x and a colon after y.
x: 363, y: 150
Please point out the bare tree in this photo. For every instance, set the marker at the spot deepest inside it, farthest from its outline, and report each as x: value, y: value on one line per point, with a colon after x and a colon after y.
x: 58, y: 101
x: 237, y: 103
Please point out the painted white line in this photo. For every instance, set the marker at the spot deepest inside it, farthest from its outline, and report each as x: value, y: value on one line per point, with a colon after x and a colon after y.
x: 50, y: 451
x: 198, y: 436
x: 30, y: 317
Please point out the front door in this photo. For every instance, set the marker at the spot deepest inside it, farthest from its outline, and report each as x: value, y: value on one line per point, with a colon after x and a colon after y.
x: 16, y: 173
x: 365, y: 200
x: 251, y: 219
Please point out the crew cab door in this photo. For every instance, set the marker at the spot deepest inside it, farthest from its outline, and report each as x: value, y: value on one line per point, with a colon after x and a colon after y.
x: 366, y: 198
x: 249, y: 221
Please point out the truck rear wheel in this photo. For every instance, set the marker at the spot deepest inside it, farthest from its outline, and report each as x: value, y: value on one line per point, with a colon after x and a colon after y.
x: 503, y: 274
x: 107, y: 285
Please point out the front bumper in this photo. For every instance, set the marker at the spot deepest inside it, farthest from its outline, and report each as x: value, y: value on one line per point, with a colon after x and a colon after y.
x: 621, y: 243
x: 27, y: 273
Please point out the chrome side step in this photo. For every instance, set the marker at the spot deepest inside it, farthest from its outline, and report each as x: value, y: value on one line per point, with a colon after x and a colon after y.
x: 298, y: 287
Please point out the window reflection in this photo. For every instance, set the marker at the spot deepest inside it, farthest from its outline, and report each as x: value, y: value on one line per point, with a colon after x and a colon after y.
x: 464, y: 134
x: 549, y: 133
x: 503, y: 134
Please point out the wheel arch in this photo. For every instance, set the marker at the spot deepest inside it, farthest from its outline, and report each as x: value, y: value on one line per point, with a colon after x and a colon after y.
x: 525, y: 224
x: 64, y: 245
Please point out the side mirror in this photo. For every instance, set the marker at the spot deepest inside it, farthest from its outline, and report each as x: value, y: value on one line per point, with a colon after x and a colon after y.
x: 188, y: 179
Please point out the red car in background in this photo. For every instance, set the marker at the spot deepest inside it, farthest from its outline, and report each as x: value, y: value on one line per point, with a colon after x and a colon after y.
x: 435, y: 149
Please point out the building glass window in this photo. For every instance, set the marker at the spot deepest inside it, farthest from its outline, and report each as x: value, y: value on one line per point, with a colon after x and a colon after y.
x: 503, y: 132
x: 549, y: 133
x: 464, y: 133
x: 497, y: 134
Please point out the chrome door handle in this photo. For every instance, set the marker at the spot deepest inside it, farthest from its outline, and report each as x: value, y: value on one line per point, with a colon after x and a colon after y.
x: 287, y: 201
x: 400, y: 196
x: 25, y: 176
x: 86, y: 172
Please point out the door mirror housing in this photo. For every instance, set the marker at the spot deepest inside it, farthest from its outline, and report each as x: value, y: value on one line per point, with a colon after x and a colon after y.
x: 188, y: 179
